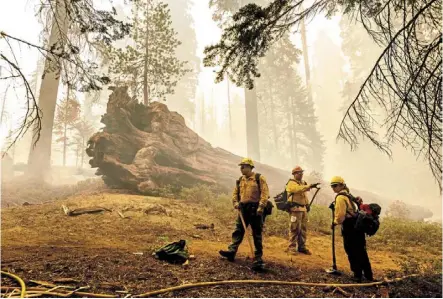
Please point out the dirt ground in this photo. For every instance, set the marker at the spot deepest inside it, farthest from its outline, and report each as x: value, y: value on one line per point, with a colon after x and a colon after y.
x: 39, y: 242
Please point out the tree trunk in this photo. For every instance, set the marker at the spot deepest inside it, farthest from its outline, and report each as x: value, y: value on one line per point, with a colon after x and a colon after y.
x: 289, y: 128
x: 203, y: 115
x: 39, y: 161
x: 273, y: 121
x: 83, y: 154
x: 145, y: 62
x: 229, y: 112
x: 294, y: 132
x: 64, y: 144
x: 252, y: 140
x: 306, y: 60
x: 65, y: 125
x: 77, y: 152
x: 135, y: 37
x: 145, y: 148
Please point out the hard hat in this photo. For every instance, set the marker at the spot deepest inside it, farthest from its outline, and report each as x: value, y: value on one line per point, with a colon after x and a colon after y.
x: 247, y: 161
x: 297, y: 169
x: 337, y: 180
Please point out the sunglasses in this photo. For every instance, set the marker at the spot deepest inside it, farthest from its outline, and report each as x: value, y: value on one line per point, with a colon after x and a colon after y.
x: 244, y: 166
x: 297, y: 172
x: 334, y: 185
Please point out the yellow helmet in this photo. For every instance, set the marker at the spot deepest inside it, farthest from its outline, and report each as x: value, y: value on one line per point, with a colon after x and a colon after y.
x: 337, y: 180
x: 246, y: 161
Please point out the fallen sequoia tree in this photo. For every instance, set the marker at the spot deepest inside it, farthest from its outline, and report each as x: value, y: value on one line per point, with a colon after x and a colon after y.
x: 146, y: 148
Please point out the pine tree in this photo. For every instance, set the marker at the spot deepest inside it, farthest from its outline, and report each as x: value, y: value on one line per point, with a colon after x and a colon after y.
x: 83, y: 131
x: 150, y: 67
x: 67, y: 115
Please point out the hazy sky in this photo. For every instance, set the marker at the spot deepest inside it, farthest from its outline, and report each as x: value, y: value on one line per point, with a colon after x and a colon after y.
x: 404, y: 178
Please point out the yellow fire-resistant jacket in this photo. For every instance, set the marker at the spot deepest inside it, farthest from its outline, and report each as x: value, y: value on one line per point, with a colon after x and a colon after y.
x: 344, y: 208
x: 249, y: 191
x: 297, y: 193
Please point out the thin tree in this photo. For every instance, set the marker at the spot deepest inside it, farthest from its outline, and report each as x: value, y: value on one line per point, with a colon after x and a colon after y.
x: 84, y: 130
x: 67, y: 116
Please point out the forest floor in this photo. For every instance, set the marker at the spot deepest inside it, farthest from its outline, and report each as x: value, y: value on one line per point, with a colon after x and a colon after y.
x: 110, y: 253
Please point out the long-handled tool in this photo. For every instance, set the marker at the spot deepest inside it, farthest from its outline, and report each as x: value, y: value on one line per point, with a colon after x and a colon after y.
x: 333, y: 270
x: 248, y: 236
x: 313, y: 197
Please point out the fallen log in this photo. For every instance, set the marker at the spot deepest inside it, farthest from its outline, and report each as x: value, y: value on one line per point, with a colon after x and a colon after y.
x: 81, y: 211
x: 204, y: 226
x: 148, y: 148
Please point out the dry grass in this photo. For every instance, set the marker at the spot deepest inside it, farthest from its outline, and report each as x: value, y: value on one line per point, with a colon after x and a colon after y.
x: 397, y: 235
x: 413, y: 246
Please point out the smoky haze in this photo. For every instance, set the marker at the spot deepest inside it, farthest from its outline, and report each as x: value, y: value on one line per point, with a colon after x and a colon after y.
x: 337, y: 55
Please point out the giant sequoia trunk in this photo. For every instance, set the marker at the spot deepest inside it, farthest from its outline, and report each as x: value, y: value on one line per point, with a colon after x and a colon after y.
x: 39, y: 160
x: 145, y: 148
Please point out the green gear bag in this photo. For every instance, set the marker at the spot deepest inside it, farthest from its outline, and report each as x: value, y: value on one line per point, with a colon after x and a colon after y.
x: 175, y: 253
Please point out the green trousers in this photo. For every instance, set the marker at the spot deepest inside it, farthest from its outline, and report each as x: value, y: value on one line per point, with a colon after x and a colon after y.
x: 256, y: 222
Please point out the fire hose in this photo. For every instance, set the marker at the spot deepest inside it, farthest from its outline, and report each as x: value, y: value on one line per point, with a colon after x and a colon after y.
x: 229, y: 282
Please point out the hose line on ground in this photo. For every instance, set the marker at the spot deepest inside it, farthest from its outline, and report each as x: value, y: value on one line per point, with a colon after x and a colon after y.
x: 270, y: 282
x: 231, y: 282
x: 20, y: 281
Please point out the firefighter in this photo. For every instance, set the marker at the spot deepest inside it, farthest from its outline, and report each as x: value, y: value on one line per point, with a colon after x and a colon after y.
x: 354, y: 241
x: 250, y: 198
x: 297, y: 189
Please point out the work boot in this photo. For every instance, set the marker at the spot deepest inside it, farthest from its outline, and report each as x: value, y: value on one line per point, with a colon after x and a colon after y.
x: 368, y: 275
x: 305, y: 251
x: 257, y: 264
x: 356, y: 278
x: 230, y: 255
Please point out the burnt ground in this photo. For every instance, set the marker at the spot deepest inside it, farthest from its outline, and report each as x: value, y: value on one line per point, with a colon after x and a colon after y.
x: 41, y: 243
x: 108, y: 270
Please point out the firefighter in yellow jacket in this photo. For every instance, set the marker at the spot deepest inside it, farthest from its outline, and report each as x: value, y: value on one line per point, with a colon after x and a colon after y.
x: 297, y: 189
x: 251, y: 202
x: 354, y: 241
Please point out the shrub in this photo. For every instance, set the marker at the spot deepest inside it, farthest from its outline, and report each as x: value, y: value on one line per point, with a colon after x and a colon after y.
x: 419, y: 265
x: 394, y: 234
x: 221, y: 204
x: 398, y: 234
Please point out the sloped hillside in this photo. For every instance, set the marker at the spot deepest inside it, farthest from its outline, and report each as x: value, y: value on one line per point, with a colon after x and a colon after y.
x: 110, y: 253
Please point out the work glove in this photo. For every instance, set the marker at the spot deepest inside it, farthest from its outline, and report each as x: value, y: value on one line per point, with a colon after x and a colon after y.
x: 314, y: 185
x: 260, y: 211
x: 333, y: 225
x: 308, y: 208
x: 237, y: 205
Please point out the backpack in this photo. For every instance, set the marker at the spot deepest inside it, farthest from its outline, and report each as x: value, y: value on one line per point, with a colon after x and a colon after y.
x: 281, y: 200
x: 269, y: 206
x: 174, y: 253
x: 367, y: 223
